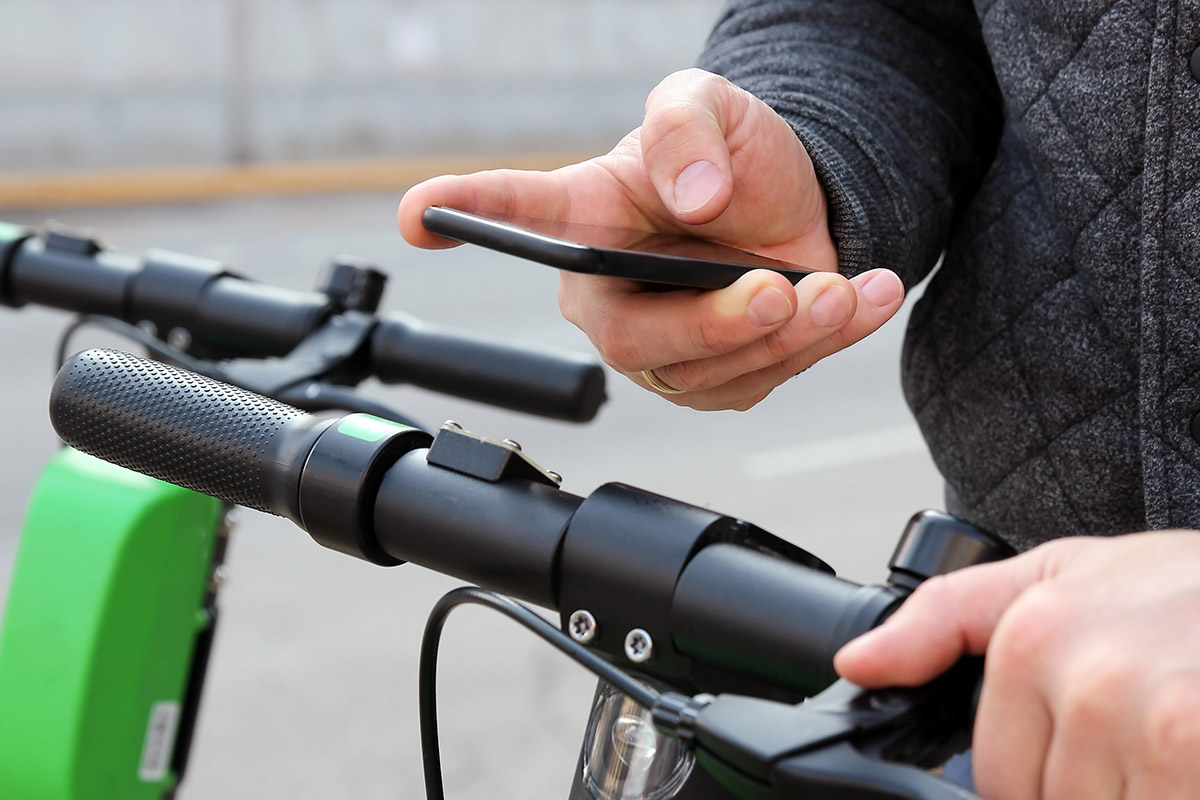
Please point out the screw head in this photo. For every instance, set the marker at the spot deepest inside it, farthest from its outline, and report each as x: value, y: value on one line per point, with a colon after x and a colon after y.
x: 179, y: 338
x: 230, y: 519
x: 639, y: 647
x: 582, y: 626
x: 452, y: 425
x: 514, y: 445
x: 219, y: 577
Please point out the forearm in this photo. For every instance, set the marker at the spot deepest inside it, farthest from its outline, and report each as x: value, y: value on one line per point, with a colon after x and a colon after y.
x: 895, y: 102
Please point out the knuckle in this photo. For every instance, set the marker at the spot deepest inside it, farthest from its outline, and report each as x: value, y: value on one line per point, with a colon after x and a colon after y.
x: 678, y: 81
x: 687, y: 376
x: 710, y: 337
x: 1170, y: 730
x: 669, y: 128
x: 1030, y: 628
x: 779, y: 346
x: 1100, y: 673
x: 616, y: 346
x: 934, y: 592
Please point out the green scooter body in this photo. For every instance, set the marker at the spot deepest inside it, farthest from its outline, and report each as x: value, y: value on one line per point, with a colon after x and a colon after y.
x: 108, y: 608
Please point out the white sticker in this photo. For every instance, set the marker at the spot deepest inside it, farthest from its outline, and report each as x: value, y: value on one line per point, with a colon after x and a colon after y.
x: 160, y: 741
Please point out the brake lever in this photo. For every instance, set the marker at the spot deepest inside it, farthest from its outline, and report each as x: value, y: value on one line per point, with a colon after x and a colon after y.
x: 846, y: 743
x: 329, y: 356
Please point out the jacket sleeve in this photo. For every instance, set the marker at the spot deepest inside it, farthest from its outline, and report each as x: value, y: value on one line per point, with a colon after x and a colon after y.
x: 895, y: 101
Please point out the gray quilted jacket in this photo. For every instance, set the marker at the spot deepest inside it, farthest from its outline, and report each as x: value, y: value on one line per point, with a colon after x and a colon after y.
x: 1049, y: 148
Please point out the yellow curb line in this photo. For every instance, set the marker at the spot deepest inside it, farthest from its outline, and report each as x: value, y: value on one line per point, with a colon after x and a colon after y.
x: 181, y: 184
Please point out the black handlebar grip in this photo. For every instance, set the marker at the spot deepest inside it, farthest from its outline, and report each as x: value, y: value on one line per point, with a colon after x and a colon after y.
x: 543, y: 381
x: 184, y: 428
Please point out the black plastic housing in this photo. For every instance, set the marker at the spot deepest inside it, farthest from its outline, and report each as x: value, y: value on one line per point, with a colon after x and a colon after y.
x: 342, y: 476
x: 501, y: 534
x: 934, y: 543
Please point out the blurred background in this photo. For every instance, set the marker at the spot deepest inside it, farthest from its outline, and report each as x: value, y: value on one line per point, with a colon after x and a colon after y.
x: 273, y: 134
x: 138, y: 83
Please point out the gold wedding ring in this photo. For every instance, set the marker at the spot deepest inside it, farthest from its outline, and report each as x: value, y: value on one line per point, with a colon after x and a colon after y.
x: 657, y: 385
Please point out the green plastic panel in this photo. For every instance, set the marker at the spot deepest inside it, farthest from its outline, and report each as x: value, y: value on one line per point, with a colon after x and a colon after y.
x: 104, y: 607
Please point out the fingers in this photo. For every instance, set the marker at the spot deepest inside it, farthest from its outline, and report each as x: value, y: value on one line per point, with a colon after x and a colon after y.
x: 834, y: 314
x: 688, y: 117
x: 635, y: 330
x: 731, y: 347
x: 1091, y: 682
x: 945, y: 618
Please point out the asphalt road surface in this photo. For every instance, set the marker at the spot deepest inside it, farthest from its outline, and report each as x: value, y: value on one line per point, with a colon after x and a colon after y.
x: 312, y: 691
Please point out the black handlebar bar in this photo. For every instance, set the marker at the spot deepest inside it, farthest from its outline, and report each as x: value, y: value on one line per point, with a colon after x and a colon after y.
x: 222, y: 315
x: 717, y: 605
x: 707, y: 589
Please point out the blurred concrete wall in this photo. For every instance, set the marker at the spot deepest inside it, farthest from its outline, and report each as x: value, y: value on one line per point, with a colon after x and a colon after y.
x: 121, y: 83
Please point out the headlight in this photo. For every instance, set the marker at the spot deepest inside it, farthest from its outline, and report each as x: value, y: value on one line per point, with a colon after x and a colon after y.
x: 625, y: 758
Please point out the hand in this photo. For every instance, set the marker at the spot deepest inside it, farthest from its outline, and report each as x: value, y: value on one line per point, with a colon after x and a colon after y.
x: 712, y: 161
x: 1092, y: 679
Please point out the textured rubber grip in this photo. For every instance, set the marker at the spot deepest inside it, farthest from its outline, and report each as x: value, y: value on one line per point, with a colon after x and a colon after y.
x: 184, y: 428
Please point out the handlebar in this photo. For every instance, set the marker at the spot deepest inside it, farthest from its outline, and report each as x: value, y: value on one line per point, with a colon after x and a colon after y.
x: 704, y: 589
x: 221, y: 315
x: 703, y: 602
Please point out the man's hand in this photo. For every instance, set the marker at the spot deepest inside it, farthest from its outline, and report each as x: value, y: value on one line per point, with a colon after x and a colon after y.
x: 712, y: 161
x: 1092, y: 681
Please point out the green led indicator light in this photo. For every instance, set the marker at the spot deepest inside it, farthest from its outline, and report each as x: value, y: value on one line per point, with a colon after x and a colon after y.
x: 369, y: 428
x: 10, y: 232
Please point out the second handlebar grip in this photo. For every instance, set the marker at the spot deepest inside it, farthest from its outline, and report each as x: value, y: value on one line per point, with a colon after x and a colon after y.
x: 184, y: 428
x: 551, y: 383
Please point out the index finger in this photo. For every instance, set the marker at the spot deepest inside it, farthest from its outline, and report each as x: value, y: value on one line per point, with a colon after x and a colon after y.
x: 580, y: 192
x: 947, y: 617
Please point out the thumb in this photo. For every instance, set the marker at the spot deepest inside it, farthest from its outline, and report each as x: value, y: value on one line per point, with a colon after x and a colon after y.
x: 684, y: 146
x: 947, y: 617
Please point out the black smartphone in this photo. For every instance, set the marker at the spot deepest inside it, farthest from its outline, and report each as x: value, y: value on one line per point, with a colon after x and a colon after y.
x: 654, y: 258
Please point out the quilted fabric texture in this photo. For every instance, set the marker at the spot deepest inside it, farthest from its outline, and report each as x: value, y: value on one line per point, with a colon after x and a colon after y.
x: 1049, y: 147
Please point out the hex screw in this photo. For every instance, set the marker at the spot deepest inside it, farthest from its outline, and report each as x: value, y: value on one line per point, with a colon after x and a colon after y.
x: 639, y: 647
x: 582, y: 626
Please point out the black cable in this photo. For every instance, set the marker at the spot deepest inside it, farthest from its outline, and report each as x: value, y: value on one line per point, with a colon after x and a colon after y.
x: 427, y: 669
x: 172, y: 355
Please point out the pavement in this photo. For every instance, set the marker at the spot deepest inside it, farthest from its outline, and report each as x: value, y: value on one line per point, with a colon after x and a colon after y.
x: 312, y: 690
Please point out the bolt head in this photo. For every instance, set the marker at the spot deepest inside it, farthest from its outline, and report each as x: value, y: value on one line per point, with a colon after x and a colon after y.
x: 639, y: 647
x: 582, y: 626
